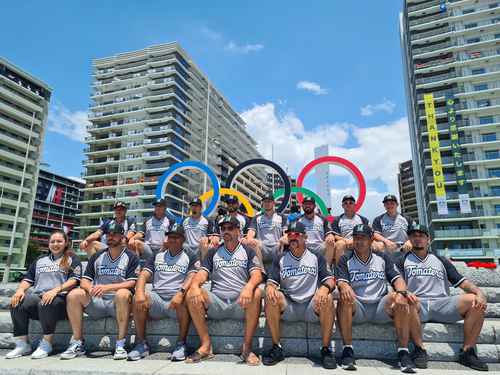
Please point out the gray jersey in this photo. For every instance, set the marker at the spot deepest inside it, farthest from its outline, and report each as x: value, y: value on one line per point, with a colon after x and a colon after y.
x: 316, y: 230
x: 230, y: 270
x: 342, y: 225
x: 169, y: 272
x: 367, y: 279
x: 45, y: 273
x: 430, y: 277
x: 299, y: 278
x: 268, y: 229
x: 102, y: 269
x: 393, y: 228
x: 155, y: 230
x: 129, y: 225
x: 195, y: 229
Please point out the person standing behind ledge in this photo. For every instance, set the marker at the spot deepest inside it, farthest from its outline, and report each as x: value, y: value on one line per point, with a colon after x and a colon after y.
x: 236, y: 272
x: 51, y: 276
x: 390, y: 228
x: 201, y: 232
x: 429, y: 277
x: 105, y: 291
x: 98, y: 240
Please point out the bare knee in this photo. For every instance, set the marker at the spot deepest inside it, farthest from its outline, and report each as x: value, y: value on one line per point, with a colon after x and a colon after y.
x: 76, y: 295
x: 123, y: 295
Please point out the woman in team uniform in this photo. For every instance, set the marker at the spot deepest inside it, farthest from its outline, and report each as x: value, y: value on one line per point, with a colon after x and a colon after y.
x: 42, y: 295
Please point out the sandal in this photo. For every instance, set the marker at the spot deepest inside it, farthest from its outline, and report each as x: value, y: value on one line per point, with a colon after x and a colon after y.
x: 250, y: 358
x: 197, y: 357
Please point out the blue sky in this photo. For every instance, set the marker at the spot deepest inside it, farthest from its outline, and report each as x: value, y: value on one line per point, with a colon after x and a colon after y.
x: 311, y: 71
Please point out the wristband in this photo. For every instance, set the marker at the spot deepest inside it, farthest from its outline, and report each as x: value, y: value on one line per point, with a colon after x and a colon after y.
x: 404, y: 293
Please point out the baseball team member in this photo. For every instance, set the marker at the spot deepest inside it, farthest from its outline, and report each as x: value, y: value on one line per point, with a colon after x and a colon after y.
x: 429, y: 278
x: 362, y: 278
x: 320, y: 237
x: 42, y: 296
x: 342, y: 226
x: 232, y: 206
x: 201, y: 232
x: 98, y: 240
x: 171, y: 272
x: 299, y: 289
x: 391, y: 228
x: 236, y: 272
x: 265, y: 231
x: 105, y: 290
x: 149, y: 239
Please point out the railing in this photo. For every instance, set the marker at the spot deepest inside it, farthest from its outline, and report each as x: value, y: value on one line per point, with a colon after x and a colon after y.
x: 458, y: 214
x: 432, y: 63
x: 427, y: 19
x: 440, y: 77
x: 424, y: 5
x: 440, y: 93
x: 431, y: 48
x: 426, y: 34
x: 469, y: 253
x: 458, y: 233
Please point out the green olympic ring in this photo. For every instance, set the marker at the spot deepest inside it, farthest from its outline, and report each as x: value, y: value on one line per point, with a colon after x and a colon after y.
x: 322, y: 206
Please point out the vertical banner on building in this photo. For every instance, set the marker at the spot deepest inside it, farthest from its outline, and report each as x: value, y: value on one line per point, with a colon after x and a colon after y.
x: 437, y: 166
x: 458, y: 161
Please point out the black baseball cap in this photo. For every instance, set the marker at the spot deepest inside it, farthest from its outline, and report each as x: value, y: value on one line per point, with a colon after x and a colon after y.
x: 363, y: 230
x: 268, y: 197
x: 196, y: 202
x: 348, y: 197
x: 228, y: 219
x: 160, y: 202
x: 114, y: 227
x: 418, y: 228
x: 177, y: 229
x: 309, y: 199
x: 232, y: 199
x: 296, y: 227
x: 390, y: 197
x: 120, y: 204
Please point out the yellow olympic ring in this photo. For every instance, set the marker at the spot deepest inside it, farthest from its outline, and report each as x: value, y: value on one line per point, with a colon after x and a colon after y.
x: 227, y: 191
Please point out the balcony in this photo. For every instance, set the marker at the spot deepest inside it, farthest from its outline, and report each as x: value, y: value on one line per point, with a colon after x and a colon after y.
x: 423, y: 5
x: 460, y: 233
x: 427, y: 34
x: 427, y: 19
x: 469, y: 253
x: 458, y: 214
x: 434, y: 47
x: 434, y: 62
x: 436, y: 78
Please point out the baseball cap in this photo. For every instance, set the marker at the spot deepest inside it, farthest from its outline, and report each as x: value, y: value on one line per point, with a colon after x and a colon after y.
x: 120, y: 204
x: 177, y: 229
x: 232, y: 199
x: 363, y: 230
x: 228, y: 219
x: 114, y: 227
x: 418, y: 228
x: 268, y: 197
x: 348, y: 197
x: 195, y: 201
x: 309, y: 199
x: 390, y: 197
x: 159, y: 202
x: 296, y: 227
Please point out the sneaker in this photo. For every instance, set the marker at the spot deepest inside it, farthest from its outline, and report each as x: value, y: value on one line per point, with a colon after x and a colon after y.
x: 406, y: 364
x: 120, y: 353
x: 328, y: 358
x: 141, y: 350
x: 420, y: 357
x: 469, y: 358
x: 179, y: 353
x: 273, y: 356
x: 347, y: 360
x: 22, y: 348
x: 75, y: 349
x: 43, y: 350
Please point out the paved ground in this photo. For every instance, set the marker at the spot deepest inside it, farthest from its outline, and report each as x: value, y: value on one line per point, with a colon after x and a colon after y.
x: 101, y: 363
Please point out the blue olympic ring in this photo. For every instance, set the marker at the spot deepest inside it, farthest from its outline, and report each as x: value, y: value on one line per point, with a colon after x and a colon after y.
x: 178, y: 167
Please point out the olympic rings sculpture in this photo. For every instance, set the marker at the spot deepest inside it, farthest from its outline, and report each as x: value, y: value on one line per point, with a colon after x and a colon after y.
x: 286, y: 191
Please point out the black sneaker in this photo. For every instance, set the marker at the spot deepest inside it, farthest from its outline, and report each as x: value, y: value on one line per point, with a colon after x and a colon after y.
x: 328, y: 358
x: 420, y: 357
x: 406, y: 364
x: 347, y: 361
x: 273, y: 356
x: 469, y: 358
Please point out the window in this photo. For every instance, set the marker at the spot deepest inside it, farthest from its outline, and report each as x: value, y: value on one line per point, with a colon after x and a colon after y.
x: 478, y: 71
x: 495, y: 191
x: 481, y: 87
x: 493, y: 5
x: 497, y: 209
x: 489, y: 137
x: 491, y: 154
x: 473, y: 40
x: 467, y: 11
x: 484, y: 120
x: 481, y: 103
x: 471, y: 25
x: 494, y: 172
x: 497, y: 36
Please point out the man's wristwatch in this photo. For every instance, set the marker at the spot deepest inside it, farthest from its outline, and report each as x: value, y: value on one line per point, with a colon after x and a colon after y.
x: 404, y: 293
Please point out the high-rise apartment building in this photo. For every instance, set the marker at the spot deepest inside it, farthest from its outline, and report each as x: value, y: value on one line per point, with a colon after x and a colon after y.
x: 407, y: 195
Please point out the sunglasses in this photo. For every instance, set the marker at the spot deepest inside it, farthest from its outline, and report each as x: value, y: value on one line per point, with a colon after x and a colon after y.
x: 227, y: 228
x: 293, y: 236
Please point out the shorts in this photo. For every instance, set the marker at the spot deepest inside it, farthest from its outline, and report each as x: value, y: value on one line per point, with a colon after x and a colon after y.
x: 269, y: 252
x: 219, y: 309
x: 192, y: 251
x: 99, y: 308
x: 371, y: 312
x: 148, y: 251
x: 299, y: 312
x: 159, y: 307
x: 317, y: 249
x: 440, y: 310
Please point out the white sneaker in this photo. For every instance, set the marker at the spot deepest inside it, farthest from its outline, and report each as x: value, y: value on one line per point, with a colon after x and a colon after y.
x: 120, y: 353
x: 179, y: 353
x: 75, y: 349
x: 22, y: 348
x: 43, y: 350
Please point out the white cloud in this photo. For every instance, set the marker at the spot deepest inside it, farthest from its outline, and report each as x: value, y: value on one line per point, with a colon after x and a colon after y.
x: 313, y: 87
x: 377, y: 153
x: 243, y: 48
x: 211, y: 34
x: 386, y: 106
x: 72, y: 124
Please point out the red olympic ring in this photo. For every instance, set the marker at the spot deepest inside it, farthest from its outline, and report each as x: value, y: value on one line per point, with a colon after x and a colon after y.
x: 337, y: 161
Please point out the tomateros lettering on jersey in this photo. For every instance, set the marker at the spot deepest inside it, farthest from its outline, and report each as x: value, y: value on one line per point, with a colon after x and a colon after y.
x: 420, y: 271
x: 164, y: 267
x: 366, y: 276
x: 222, y: 263
x: 298, y: 271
